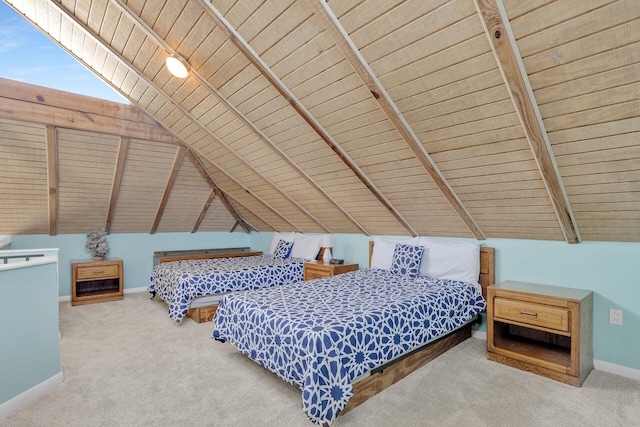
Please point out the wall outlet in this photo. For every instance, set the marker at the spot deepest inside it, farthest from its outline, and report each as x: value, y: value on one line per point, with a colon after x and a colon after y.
x: 615, y: 316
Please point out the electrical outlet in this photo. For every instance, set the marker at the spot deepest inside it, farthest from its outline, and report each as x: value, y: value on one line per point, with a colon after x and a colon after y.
x: 615, y: 316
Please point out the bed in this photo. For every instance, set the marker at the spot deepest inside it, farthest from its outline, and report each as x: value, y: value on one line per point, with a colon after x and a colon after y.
x: 193, y: 285
x: 342, y: 339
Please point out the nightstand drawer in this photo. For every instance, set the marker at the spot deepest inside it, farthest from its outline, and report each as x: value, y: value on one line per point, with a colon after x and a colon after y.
x: 317, y: 270
x: 532, y: 314
x: 541, y: 329
x: 97, y: 272
x: 314, y: 273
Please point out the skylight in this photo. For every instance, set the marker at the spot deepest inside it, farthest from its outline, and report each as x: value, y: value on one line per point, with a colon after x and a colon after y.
x: 29, y: 56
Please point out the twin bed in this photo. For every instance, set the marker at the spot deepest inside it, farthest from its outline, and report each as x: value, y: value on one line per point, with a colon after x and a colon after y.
x: 194, y: 285
x: 190, y: 284
x: 344, y: 338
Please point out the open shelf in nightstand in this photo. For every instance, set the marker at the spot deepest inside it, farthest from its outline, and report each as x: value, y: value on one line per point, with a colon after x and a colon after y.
x: 96, y: 281
x: 544, y: 346
x: 542, y: 329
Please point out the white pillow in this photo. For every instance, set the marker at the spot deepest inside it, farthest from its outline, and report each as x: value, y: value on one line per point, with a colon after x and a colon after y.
x: 287, y: 237
x: 306, y: 247
x: 383, y: 251
x: 459, y: 260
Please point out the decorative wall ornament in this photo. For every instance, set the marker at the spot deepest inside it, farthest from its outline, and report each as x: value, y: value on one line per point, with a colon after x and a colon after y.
x: 97, y: 243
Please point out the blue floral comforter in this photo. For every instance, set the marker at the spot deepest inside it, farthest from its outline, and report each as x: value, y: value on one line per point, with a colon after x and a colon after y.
x: 179, y: 282
x: 320, y: 335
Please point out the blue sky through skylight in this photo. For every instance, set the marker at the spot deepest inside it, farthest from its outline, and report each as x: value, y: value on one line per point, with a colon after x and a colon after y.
x: 29, y: 56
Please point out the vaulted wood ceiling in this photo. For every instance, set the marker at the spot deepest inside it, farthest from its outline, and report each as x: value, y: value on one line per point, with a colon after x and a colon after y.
x: 463, y: 118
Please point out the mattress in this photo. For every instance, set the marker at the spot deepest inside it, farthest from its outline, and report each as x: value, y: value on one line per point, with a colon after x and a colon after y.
x: 178, y: 283
x: 321, y: 335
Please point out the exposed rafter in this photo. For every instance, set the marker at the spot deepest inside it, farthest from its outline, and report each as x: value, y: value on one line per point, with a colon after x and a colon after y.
x: 237, y: 202
x: 117, y: 178
x: 207, y: 176
x: 285, y: 92
x: 167, y: 191
x: 295, y: 107
x: 170, y: 101
x: 246, y: 190
x: 52, y: 177
x: 503, y: 44
x: 204, y: 210
x: 324, y: 13
x: 45, y: 106
x: 144, y: 27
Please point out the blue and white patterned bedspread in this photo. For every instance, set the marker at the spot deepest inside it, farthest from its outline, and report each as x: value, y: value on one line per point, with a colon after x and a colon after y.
x: 179, y: 282
x: 322, y: 334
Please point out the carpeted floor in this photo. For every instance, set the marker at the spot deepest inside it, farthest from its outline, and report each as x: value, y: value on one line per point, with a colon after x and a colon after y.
x: 126, y: 364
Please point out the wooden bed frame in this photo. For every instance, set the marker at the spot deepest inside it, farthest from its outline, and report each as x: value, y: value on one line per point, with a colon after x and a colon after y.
x: 205, y: 314
x: 393, y: 372
x: 208, y: 256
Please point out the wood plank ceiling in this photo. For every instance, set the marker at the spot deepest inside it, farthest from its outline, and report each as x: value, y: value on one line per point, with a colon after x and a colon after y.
x: 463, y: 118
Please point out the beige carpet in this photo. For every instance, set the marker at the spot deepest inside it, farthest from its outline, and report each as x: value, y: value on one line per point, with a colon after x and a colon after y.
x: 127, y: 364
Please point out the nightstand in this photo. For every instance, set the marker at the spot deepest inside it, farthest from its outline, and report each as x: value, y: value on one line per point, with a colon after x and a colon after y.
x: 96, y: 281
x: 320, y: 269
x: 542, y: 329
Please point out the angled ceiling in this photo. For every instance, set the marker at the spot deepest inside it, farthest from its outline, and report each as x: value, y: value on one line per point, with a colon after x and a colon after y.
x: 485, y: 118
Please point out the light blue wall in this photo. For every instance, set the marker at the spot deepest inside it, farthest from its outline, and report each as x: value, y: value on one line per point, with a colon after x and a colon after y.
x: 610, y: 270
x: 29, y: 339
x: 135, y: 249
x: 353, y: 248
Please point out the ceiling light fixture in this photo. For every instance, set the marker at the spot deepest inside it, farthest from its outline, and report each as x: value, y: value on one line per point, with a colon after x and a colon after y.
x: 178, y: 66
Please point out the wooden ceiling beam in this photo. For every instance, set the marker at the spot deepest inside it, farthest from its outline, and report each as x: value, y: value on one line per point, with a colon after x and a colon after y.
x: 168, y: 99
x: 177, y: 162
x: 331, y: 24
x: 285, y: 92
x: 144, y: 27
x: 117, y: 179
x: 204, y: 210
x: 52, y: 177
x: 239, y: 203
x: 505, y: 49
x: 225, y: 199
x: 36, y: 104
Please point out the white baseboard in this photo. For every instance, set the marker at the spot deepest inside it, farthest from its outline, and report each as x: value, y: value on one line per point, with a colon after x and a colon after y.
x: 134, y: 290
x: 479, y: 334
x: 25, y: 397
x: 600, y: 365
x: 126, y: 291
x: 623, y: 371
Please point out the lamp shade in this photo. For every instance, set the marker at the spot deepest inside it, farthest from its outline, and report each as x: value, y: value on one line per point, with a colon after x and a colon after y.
x: 178, y: 66
x: 327, y: 241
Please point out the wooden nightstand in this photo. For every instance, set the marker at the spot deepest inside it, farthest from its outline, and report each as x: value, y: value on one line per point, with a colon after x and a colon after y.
x: 542, y: 329
x: 96, y: 281
x: 319, y: 269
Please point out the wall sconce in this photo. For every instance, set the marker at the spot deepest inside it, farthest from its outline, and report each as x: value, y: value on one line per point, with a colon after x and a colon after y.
x: 178, y: 66
x: 327, y: 244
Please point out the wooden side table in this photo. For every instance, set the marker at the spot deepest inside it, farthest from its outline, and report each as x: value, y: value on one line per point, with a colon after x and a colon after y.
x: 96, y: 281
x: 320, y: 269
x: 542, y: 329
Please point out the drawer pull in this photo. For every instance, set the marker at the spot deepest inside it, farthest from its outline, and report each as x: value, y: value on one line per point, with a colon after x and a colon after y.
x: 524, y: 313
x: 98, y: 271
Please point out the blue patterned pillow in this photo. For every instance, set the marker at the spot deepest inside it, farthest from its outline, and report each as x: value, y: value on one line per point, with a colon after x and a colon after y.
x: 406, y: 260
x: 283, y: 249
